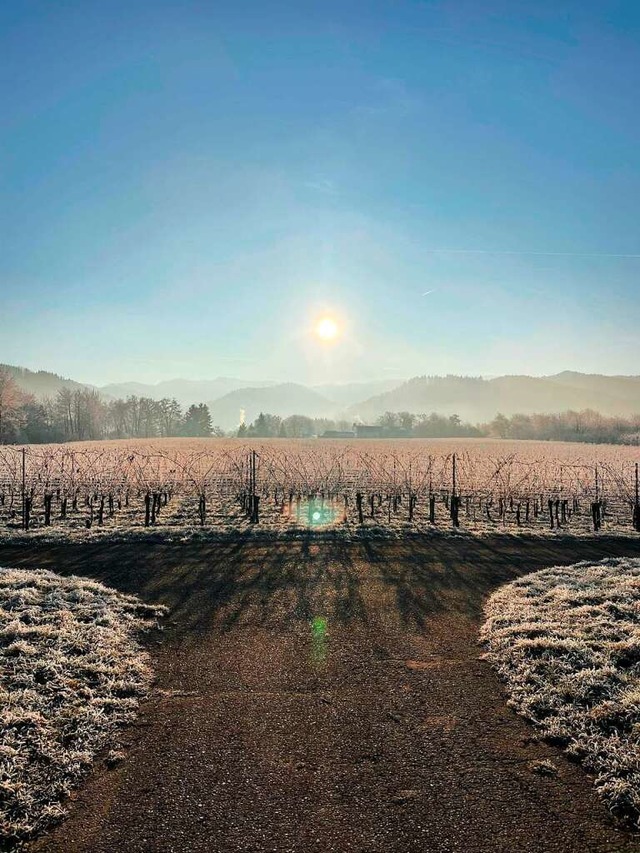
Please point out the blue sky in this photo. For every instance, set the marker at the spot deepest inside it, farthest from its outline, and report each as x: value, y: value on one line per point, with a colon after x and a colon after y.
x: 184, y: 186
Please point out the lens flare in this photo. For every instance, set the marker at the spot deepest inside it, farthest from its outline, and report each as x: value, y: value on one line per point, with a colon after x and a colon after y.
x: 319, y: 639
x: 317, y: 512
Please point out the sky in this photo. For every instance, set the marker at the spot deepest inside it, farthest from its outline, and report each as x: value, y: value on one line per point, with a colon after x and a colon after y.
x: 185, y: 187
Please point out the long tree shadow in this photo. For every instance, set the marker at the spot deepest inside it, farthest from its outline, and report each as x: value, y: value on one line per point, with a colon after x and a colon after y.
x: 241, y: 583
x: 457, y: 575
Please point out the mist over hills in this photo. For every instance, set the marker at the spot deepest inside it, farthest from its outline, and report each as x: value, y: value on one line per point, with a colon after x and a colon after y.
x: 290, y: 398
x: 285, y: 394
x: 474, y: 399
x: 284, y: 400
x: 40, y: 383
x: 352, y: 392
x: 185, y: 391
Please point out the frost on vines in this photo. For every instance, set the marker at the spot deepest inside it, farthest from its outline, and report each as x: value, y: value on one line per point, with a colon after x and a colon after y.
x: 476, y: 485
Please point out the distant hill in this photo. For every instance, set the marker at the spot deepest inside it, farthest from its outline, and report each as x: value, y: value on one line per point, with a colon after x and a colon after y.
x: 284, y: 400
x: 351, y: 393
x: 185, y: 391
x: 476, y: 399
x: 613, y: 390
x: 40, y: 383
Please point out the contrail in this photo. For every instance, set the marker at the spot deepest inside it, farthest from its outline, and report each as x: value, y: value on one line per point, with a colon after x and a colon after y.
x: 527, y: 252
x: 428, y: 292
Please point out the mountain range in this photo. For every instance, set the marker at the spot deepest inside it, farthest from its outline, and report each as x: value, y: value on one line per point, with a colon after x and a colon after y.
x: 477, y: 399
x: 474, y: 399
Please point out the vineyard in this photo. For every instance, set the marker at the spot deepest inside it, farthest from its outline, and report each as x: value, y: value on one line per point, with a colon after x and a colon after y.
x: 478, y: 485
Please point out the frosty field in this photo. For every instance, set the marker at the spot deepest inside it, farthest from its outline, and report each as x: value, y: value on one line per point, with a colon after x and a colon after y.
x: 475, y: 485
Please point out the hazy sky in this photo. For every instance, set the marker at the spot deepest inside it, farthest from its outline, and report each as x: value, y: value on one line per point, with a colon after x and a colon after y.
x: 185, y: 185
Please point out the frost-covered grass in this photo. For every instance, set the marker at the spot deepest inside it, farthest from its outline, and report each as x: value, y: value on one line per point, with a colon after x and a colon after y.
x: 72, y: 671
x: 187, y: 534
x: 567, y: 642
x: 230, y: 533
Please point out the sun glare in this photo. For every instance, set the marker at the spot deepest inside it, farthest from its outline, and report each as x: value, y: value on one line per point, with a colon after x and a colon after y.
x: 327, y: 329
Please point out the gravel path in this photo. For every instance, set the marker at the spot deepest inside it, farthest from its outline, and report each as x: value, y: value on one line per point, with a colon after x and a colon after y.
x: 327, y: 697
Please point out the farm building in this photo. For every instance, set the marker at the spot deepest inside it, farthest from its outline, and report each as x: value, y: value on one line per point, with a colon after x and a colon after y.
x: 376, y: 431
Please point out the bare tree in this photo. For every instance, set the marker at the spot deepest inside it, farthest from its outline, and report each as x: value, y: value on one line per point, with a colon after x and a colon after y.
x: 12, y: 399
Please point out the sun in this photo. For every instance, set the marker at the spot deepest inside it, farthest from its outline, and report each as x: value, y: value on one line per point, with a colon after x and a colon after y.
x: 327, y: 329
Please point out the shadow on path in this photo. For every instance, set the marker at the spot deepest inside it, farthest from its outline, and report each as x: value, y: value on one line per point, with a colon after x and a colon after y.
x: 390, y: 736
x: 223, y: 584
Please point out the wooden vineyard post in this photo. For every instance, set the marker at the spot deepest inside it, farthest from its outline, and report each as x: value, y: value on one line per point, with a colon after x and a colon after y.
x: 244, y: 497
x: 596, y: 507
x: 251, y: 485
x: 636, y: 505
x: 48, y: 498
x: 453, y: 509
x: 254, y: 499
x: 25, y: 520
x: 413, y: 499
x: 247, y: 505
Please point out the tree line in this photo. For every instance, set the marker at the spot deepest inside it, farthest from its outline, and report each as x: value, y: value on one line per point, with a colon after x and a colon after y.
x: 586, y: 426
x: 295, y: 426
x: 267, y: 425
x: 83, y: 415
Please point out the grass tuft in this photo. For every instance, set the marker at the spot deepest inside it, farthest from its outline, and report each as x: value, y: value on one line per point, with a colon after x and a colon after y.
x: 72, y: 672
x: 566, y: 641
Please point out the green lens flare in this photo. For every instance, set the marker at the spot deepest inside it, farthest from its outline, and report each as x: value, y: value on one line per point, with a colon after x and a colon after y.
x: 319, y: 626
x: 319, y: 639
x: 317, y: 512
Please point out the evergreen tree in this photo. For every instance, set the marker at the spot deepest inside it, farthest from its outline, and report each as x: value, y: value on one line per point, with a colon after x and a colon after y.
x: 197, y: 421
x: 265, y: 426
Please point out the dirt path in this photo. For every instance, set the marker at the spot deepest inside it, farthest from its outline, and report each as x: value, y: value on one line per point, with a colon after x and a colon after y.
x: 381, y: 731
